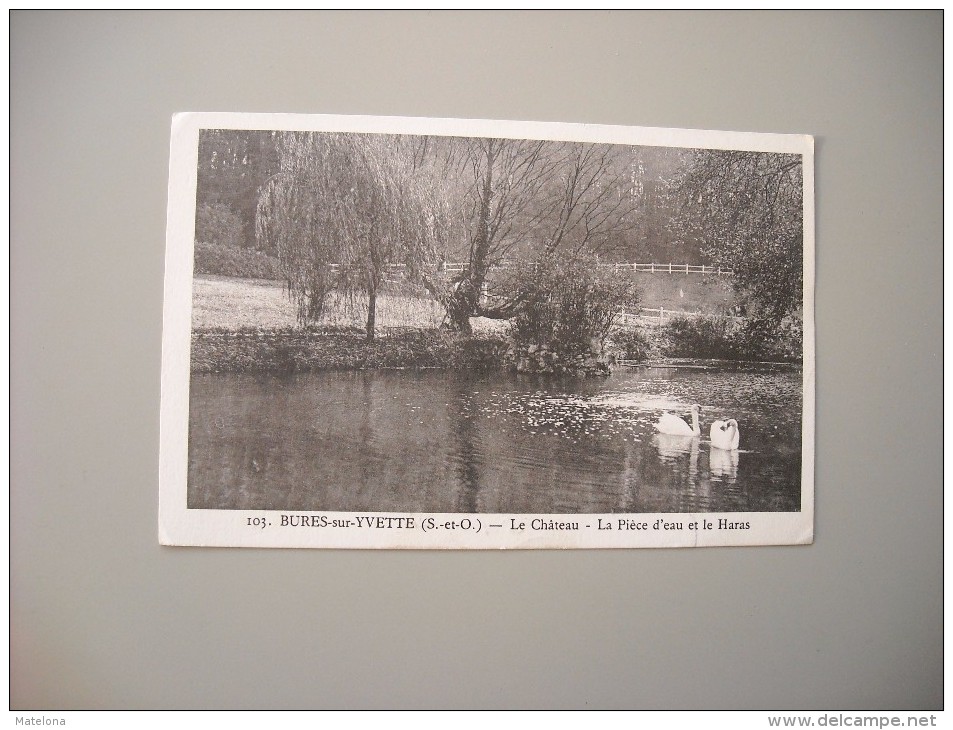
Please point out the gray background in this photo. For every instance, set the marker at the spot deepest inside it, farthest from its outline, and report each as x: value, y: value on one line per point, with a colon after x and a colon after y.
x: 103, y: 617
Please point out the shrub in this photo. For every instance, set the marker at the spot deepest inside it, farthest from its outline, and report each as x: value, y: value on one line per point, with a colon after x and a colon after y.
x: 722, y: 338
x: 700, y: 337
x: 219, y: 224
x: 763, y: 339
x: 570, y: 304
x: 633, y: 344
x: 221, y: 260
x: 791, y: 344
x: 338, y: 348
x: 481, y: 352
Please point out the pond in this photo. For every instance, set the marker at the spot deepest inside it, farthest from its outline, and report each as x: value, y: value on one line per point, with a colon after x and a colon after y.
x: 434, y: 441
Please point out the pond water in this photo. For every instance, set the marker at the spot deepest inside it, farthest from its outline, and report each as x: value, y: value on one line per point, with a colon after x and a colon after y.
x: 432, y: 441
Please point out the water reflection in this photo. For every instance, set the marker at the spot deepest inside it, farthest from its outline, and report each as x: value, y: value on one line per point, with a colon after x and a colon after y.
x: 468, y: 458
x: 671, y: 447
x: 439, y: 442
x: 680, y: 455
x: 724, y: 464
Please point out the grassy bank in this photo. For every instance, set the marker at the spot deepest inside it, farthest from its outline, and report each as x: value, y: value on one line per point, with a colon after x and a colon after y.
x: 712, y: 339
x: 339, y: 348
x: 247, y: 325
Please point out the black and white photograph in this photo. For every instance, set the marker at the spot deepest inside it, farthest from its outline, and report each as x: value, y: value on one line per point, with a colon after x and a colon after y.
x: 387, y: 332
x: 415, y: 361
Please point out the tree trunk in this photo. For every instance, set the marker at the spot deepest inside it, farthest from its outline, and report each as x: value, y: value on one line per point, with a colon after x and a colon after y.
x: 315, y: 307
x: 460, y: 308
x: 371, y: 312
x: 465, y: 299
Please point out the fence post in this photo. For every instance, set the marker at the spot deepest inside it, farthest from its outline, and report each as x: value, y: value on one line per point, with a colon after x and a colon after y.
x: 661, y: 313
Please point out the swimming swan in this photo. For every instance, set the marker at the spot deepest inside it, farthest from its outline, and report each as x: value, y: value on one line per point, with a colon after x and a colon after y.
x: 675, y: 426
x: 725, y: 434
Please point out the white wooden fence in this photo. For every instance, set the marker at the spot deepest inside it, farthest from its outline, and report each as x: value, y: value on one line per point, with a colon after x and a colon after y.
x: 673, y: 268
x: 449, y: 267
x: 644, y: 316
x: 669, y: 268
x: 661, y: 315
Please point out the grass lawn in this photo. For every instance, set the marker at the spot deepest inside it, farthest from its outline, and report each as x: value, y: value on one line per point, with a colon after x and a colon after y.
x: 249, y: 325
x: 219, y: 301
x: 227, y: 302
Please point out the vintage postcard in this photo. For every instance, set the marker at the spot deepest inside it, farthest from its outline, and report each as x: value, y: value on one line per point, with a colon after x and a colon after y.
x: 387, y: 332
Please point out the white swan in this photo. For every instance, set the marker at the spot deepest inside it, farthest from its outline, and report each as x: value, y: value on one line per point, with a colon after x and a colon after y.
x: 675, y: 426
x: 725, y: 434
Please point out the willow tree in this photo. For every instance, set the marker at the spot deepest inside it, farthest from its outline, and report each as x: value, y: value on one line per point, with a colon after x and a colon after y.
x: 533, y: 200
x: 341, y: 211
x: 748, y: 210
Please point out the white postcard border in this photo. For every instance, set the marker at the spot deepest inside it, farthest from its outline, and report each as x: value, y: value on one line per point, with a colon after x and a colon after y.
x: 179, y: 525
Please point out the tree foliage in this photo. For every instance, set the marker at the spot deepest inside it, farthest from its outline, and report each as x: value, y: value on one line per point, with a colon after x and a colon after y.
x: 338, y: 210
x: 234, y: 261
x: 343, y: 207
x: 652, y: 176
x: 530, y: 199
x: 722, y: 338
x: 341, y: 210
x: 232, y: 166
x: 218, y: 224
x: 570, y: 303
x: 747, y: 208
